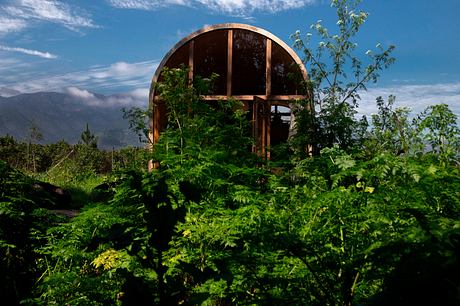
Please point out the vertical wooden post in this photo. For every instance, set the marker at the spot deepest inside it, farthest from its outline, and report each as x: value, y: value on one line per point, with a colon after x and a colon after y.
x: 268, y: 92
x: 261, y: 125
x: 190, y: 61
x: 191, y: 50
x: 155, y: 129
x: 269, y: 127
x: 156, y: 122
x: 255, y: 123
x: 264, y: 128
x: 229, y: 61
x: 152, y: 117
x: 268, y: 69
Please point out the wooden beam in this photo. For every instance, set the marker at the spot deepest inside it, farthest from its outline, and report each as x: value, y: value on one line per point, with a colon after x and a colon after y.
x: 269, y: 128
x: 191, y: 50
x: 267, y: 104
x: 254, y: 126
x: 261, y: 120
x: 287, y: 97
x: 222, y: 97
x: 156, y: 130
x: 282, y: 103
x: 229, y: 61
x: 276, y: 98
x: 268, y: 68
x: 264, y: 130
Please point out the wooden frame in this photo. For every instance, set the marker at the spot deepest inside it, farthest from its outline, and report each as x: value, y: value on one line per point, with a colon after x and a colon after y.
x: 229, y: 62
x: 261, y: 104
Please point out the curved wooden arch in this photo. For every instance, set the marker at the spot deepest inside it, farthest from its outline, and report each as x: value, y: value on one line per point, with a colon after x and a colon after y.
x: 223, y: 26
x: 257, y: 104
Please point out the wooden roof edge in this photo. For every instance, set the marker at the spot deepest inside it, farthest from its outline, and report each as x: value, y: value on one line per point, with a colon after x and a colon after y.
x: 224, y: 26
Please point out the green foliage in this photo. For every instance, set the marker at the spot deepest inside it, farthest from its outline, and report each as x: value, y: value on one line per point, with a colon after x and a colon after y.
x: 354, y: 223
x: 129, y: 158
x: 438, y: 126
x: 64, y: 159
x: 113, y: 253
x: 214, y: 226
x: 23, y: 223
x: 333, y: 230
x: 12, y: 152
x: 186, y: 111
x: 392, y: 131
x: 435, y: 130
x: 138, y: 119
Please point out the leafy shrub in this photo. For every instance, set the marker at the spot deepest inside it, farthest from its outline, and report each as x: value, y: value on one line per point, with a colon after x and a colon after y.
x: 23, y: 223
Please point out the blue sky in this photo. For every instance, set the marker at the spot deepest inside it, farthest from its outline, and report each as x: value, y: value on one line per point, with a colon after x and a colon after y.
x: 114, y: 46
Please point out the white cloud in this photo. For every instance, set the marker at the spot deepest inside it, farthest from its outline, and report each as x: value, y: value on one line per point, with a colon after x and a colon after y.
x: 28, y: 51
x: 8, y: 25
x: 80, y: 93
x: 144, y: 4
x: 232, y: 7
x: 416, y: 97
x: 245, y: 6
x: 140, y: 93
x: 22, y: 12
x: 137, y: 97
x: 120, y: 70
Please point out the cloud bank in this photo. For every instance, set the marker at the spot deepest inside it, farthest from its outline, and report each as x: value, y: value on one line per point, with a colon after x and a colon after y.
x: 137, y: 97
x: 416, y: 97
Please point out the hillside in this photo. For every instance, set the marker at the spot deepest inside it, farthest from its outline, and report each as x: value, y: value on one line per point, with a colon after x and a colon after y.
x: 64, y: 116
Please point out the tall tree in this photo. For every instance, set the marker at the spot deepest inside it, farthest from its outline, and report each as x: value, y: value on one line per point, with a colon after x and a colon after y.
x: 35, y: 136
x: 337, y: 75
x: 88, y: 138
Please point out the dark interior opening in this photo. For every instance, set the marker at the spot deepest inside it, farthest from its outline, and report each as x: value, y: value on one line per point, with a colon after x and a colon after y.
x: 280, y: 123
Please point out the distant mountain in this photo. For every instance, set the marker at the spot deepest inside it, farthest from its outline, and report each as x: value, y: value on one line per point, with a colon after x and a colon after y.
x: 63, y: 116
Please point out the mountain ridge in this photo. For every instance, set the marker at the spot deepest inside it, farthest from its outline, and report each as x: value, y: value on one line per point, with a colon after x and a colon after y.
x: 64, y: 115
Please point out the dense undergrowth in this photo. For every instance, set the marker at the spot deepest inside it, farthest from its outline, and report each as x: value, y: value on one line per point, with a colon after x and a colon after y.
x: 215, y: 225
x: 207, y: 228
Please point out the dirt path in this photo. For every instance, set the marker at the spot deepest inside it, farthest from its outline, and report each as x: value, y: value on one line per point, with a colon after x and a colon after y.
x: 65, y: 212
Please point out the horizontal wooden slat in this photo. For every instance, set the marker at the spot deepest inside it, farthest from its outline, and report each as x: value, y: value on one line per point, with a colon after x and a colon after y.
x: 250, y: 98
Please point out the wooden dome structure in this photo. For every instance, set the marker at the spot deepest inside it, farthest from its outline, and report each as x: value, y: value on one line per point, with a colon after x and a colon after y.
x: 254, y: 66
